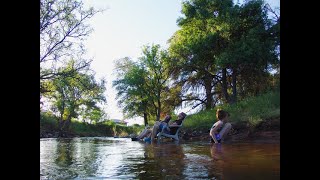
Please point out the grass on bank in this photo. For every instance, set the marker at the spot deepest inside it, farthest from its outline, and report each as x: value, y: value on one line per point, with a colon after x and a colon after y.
x: 252, y: 110
x: 48, y: 123
x: 107, y: 128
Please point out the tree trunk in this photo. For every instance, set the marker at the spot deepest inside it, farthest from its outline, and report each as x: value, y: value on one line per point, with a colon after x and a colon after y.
x: 159, y: 107
x: 209, y: 94
x: 225, y: 85
x: 234, y: 86
x: 60, y: 120
x: 61, y: 124
x: 145, y: 117
x: 67, y: 123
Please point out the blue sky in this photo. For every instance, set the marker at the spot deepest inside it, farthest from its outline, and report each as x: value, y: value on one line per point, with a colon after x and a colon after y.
x: 121, y: 31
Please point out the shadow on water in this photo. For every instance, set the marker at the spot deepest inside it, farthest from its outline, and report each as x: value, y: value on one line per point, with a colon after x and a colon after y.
x: 121, y: 158
x: 246, y: 161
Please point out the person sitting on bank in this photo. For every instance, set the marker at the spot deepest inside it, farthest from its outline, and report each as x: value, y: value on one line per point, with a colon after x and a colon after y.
x: 220, y: 129
x: 146, y: 133
x: 170, y: 128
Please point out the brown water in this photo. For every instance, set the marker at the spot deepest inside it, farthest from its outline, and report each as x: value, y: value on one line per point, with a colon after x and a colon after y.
x: 121, y: 158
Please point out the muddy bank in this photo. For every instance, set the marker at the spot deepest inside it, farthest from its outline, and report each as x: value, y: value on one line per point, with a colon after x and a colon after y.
x: 54, y: 134
x: 263, y: 136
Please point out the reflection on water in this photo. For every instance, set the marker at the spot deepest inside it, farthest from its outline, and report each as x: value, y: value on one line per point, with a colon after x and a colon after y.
x: 120, y: 158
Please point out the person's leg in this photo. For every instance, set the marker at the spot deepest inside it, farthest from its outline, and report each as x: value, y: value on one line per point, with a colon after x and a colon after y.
x: 143, y: 133
x: 224, y: 131
x: 149, y: 134
x: 155, y: 130
x: 166, y: 129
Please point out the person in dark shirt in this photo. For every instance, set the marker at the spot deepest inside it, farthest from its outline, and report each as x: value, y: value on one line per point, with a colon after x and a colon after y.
x: 170, y: 128
x: 146, y: 133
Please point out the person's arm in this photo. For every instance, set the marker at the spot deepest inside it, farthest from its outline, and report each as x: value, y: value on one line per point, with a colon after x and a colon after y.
x: 175, y: 124
x: 214, y: 131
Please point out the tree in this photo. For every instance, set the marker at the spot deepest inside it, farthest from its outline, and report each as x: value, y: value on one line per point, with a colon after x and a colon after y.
x: 143, y: 85
x: 154, y: 61
x: 71, y: 95
x: 194, y: 48
x: 250, y: 48
x: 62, y: 29
x: 92, y: 115
x: 218, y: 43
x: 130, y: 84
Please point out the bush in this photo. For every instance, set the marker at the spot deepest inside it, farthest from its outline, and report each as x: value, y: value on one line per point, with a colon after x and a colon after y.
x: 48, y: 121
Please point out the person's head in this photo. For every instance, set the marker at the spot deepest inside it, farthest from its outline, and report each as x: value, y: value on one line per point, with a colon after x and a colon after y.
x: 168, y: 117
x: 221, y: 114
x: 182, y: 115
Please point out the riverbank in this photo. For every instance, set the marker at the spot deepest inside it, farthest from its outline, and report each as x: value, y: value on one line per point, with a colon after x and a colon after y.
x: 49, y: 129
x: 253, y: 119
x: 267, y: 131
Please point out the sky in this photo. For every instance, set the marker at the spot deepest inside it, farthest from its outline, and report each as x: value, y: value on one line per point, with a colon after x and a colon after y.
x: 121, y: 31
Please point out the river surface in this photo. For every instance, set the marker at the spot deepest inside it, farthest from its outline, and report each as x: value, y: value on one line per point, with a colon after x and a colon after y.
x: 121, y: 158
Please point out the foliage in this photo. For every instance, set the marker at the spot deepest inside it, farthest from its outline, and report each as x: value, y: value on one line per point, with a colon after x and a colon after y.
x: 130, y: 86
x: 106, y: 128
x: 142, y: 86
x: 48, y: 121
x: 223, y: 49
x: 195, y: 47
x: 72, y: 96
x: 63, y: 27
x: 122, y: 130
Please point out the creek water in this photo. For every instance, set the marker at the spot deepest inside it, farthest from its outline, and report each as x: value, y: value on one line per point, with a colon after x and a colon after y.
x: 121, y: 158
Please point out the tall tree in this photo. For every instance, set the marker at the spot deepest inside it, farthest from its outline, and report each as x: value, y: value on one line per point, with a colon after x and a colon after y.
x: 142, y: 86
x: 130, y: 84
x: 218, y: 43
x: 195, y: 47
x: 154, y: 60
x: 63, y: 27
x: 250, y: 48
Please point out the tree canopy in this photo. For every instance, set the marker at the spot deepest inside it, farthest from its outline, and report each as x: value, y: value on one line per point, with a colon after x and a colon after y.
x: 221, y: 53
x: 66, y: 80
x: 63, y: 28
